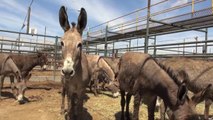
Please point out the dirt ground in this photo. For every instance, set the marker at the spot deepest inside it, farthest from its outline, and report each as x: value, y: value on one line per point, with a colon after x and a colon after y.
x: 44, y: 104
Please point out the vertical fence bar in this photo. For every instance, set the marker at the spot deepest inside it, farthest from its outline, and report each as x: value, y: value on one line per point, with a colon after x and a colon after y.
x: 212, y: 6
x: 193, y: 9
x: 155, y: 50
x: 1, y: 46
x: 87, y: 47
x: 184, y: 47
x: 130, y: 45
x: 105, y: 46
x: 196, y: 39
x: 88, y: 38
x: 147, y: 28
x: 96, y: 49
x: 56, y: 46
x: 206, y: 39
x: 19, y: 39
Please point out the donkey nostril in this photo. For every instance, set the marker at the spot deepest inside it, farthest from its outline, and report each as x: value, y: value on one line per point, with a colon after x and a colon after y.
x: 63, y: 72
x: 71, y: 72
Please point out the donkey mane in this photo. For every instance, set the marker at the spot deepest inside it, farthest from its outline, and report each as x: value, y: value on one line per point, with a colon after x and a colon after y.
x: 107, y: 64
x: 170, y: 72
x: 101, y: 57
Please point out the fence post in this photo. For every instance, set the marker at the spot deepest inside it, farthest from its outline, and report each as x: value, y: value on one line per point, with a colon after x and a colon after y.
x: 147, y: 28
x: 206, y: 39
x: 56, y: 44
x: 105, y: 46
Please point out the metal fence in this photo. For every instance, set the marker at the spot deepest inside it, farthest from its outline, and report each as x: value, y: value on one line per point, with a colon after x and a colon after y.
x: 22, y: 43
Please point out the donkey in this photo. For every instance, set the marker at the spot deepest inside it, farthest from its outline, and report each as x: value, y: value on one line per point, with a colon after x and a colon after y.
x: 26, y: 63
x: 114, y: 85
x: 8, y: 66
x: 75, y: 72
x: 139, y: 74
x: 101, y: 72
x: 199, y: 76
x: 195, y: 99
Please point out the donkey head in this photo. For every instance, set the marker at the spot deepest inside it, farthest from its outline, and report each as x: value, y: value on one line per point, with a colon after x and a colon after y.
x: 43, y: 61
x: 20, y: 88
x: 71, y: 41
x: 190, y: 105
x: 183, y: 110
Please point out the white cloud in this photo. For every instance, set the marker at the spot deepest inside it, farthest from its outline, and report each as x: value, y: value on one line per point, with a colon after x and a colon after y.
x: 179, y: 2
x: 97, y: 10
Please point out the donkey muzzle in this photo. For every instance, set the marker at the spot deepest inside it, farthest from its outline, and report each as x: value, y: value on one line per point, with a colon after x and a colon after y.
x: 68, y: 69
x: 67, y: 72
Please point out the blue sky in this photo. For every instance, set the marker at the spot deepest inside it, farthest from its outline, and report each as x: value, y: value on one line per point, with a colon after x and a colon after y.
x: 45, y: 13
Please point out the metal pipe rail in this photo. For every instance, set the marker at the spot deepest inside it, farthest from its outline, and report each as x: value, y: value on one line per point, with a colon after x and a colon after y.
x: 138, y: 20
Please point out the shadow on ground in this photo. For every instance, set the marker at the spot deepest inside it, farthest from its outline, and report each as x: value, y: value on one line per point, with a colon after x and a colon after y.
x: 118, y: 115
x: 7, y: 95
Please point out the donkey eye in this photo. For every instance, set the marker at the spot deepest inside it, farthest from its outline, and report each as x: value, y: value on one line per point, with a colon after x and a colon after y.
x: 79, y: 45
x: 62, y: 43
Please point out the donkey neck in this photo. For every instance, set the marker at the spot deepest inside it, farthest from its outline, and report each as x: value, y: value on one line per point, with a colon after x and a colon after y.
x: 105, y: 66
x: 161, y: 83
x: 33, y: 61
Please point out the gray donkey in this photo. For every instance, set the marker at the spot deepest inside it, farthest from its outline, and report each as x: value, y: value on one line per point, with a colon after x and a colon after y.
x: 139, y: 74
x: 7, y: 66
x: 199, y: 76
x: 75, y: 72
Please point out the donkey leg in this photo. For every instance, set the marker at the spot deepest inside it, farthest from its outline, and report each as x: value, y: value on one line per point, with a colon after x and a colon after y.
x: 93, y: 88
x: 96, y: 87
x: 13, y: 86
x: 122, y: 104
x: 79, y: 107
x: 62, y: 100
x: 208, y: 103
x: 128, y: 99
x: 1, y: 84
x: 162, y: 110
x: 2, y: 81
x: 151, y: 108
x: 68, y: 115
x: 137, y: 100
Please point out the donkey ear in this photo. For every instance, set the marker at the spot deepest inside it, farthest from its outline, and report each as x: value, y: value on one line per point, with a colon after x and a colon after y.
x: 200, y: 96
x: 63, y: 19
x: 182, y: 94
x: 184, y: 77
x: 82, y: 20
x: 39, y: 54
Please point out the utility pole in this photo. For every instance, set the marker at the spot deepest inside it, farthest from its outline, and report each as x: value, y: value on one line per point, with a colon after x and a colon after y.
x: 28, y: 20
x: 28, y: 17
x: 147, y: 28
x: 45, y: 30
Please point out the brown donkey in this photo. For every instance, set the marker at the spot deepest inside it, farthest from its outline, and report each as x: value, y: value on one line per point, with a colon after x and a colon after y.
x: 8, y: 66
x: 199, y: 73
x: 26, y: 62
x: 101, y: 72
x: 195, y: 99
x: 140, y: 74
x: 75, y: 73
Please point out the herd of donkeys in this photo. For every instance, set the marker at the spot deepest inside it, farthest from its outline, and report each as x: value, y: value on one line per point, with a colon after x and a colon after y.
x: 133, y: 74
